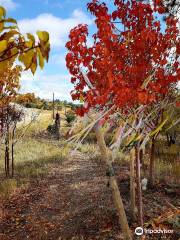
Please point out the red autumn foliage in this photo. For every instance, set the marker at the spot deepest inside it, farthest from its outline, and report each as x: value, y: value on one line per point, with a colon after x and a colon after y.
x: 129, y: 47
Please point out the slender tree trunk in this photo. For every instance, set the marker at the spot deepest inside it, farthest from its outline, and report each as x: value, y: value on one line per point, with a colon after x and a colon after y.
x: 168, y: 139
x: 142, y: 161
x: 12, y: 150
x: 8, y: 167
x: 7, y: 152
x: 5, y: 163
x: 57, y: 126
x: 132, y: 184
x: 139, y: 190
x: 53, y: 107
x: 113, y: 184
x: 12, y: 159
x: 152, y: 161
x: 7, y: 160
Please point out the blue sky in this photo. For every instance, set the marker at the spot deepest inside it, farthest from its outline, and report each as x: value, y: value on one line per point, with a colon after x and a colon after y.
x: 57, y: 17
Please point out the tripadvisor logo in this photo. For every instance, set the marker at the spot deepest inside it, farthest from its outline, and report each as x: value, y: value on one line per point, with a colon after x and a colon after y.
x: 139, y: 231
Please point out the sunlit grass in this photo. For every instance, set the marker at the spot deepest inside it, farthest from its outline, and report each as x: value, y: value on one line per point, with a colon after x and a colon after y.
x: 7, y: 186
x: 33, y: 155
x: 41, y: 120
x: 33, y: 160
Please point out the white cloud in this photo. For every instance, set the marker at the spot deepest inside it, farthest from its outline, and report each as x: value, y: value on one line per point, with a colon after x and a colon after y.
x: 44, y: 85
x: 58, y: 28
x: 8, y: 4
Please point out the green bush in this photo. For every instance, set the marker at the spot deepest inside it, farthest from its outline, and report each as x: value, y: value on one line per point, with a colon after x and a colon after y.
x: 70, y: 117
x: 51, y: 128
x: 30, y: 105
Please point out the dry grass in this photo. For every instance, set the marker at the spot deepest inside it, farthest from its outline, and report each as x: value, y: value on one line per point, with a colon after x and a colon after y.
x: 7, y: 187
x: 42, y: 119
x: 33, y: 155
x: 33, y: 159
x: 167, y: 165
x: 167, y: 169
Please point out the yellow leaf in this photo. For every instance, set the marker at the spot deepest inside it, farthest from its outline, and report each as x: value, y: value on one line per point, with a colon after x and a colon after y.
x: 43, y: 36
x: 3, y: 65
x: 3, y: 45
x: 81, y: 99
x: 41, y: 59
x: 31, y: 37
x: 159, y: 127
x: 26, y: 58
x: 10, y: 20
x: 11, y: 27
x: 29, y: 44
x: 14, y: 51
x: 45, y: 48
x: 1, y: 26
x: 10, y: 34
x: 134, y: 139
x: 33, y: 67
x: 2, y: 12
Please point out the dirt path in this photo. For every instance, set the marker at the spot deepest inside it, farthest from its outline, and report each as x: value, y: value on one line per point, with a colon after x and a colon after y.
x: 72, y: 202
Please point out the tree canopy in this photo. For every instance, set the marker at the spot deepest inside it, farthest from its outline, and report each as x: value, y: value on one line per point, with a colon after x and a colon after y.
x: 132, y: 60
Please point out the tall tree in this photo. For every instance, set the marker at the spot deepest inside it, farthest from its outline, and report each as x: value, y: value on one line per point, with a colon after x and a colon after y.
x: 14, y: 47
x: 131, y: 61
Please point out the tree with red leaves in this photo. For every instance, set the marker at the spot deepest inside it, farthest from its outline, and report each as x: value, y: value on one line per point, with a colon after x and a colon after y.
x: 129, y: 62
x: 132, y: 61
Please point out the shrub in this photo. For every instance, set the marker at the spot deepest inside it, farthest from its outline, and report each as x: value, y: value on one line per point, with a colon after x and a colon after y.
x: 70, y: 117
x: 51, y: 129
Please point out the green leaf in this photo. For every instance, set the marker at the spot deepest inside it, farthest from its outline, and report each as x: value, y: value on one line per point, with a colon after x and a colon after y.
x: 2, y: 12
x: 3, y: 45
x: 43, y: 36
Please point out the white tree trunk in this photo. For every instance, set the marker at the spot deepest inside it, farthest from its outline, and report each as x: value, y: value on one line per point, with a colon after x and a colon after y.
x: 113, y: 184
